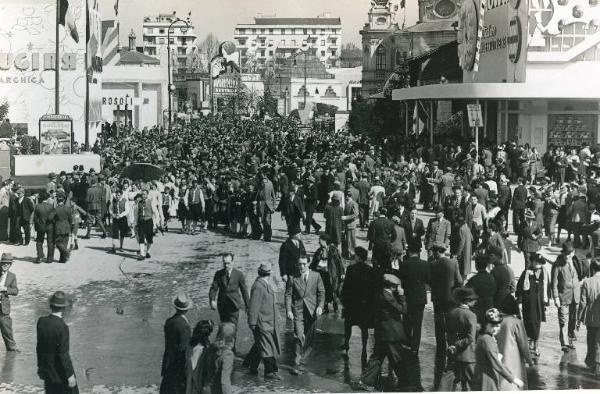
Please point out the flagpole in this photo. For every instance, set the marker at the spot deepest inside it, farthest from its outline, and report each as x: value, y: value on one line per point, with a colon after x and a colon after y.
x: 56, y: 63
x: 88, y: 77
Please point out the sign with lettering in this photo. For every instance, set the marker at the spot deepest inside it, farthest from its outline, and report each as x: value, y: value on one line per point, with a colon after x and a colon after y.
x: 56, y: 134
x: 502, y: 52
x: 475, y: 117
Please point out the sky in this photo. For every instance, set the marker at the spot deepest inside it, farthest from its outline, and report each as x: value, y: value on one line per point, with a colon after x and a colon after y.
x: 220, y: 17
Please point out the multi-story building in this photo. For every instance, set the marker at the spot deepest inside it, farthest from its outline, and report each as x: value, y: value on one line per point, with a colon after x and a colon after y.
x: 270, y: 38
x: 182, y: 37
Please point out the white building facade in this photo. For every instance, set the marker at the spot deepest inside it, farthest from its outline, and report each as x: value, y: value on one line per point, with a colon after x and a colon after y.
x: 269, y: 38
x: 156, y: 34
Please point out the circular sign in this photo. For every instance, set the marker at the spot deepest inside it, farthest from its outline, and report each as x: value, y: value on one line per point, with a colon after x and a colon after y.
x: 444, y: 8
x: 515, y: 39
x: 467, y: 36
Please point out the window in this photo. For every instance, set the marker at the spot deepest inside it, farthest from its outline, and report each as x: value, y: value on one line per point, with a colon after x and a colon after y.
x: 149, y: 30
x: 322, y: 43
x: 330, y: 92
x: 262, y: 52
x: 322, y: 53
x: 334, y: 41
x: 282, y: 43
x: 172, y: 40
x: 183, y: 41
x: 270, y: 31
x: 380, y: 58
x: 161, y: 40
x: 242, y: 31
x: 314, y: 31
x: 253, y: 43
x: 161, y: 31
x: 333, y: 52
x: 322, y: 31
x: 271, y: 53
x: 305, y: 31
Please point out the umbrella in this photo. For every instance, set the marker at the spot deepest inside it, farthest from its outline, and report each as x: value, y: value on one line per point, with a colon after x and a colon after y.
x: 142, y: 171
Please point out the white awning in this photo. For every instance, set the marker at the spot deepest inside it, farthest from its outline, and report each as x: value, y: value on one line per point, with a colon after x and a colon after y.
x: 499, y: 91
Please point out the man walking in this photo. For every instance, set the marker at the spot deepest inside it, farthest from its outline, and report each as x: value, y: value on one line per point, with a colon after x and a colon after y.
x: 363, y: 200
x: 229, y: 289
x: 54, y: 363
x: 566, y: 293
x: 380, y: 236
x: 304, y: 300
x: 289, y: 255
x: 589, y: 312
x: 444, y: 276
x: 95, y: 199
x: 266, y: 206
x: 43, y: 216
x: 63, y: 217
x: 119, y: 212
x: 519, y: 203
x: 8, y: 288
x: 263, y: 320
x: 311, y: 195
x: 177, y: 337
x: 438, y: 230
x: 145, y: 225
x: 349, y: 219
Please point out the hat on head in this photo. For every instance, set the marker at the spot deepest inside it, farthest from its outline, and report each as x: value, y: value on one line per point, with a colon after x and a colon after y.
x: 311, y: 179
x: 265, y: 268
x: 493, y: 316
x: 567, y: 248
x: 6, y: 258
x: 390, y: 279
x: 462, y: 294
x: 58, y: 299
x: 436, y: 163
x: 52, y: 175
x: 529, y: 214
x: 182, y: 302
x: 439, y: 245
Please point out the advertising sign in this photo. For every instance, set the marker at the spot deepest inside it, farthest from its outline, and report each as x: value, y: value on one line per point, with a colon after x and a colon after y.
x: 56, y: 134
x: 475, y: 118
x: 94, y: 61
x: 499, y: 41
x: 27, y: 53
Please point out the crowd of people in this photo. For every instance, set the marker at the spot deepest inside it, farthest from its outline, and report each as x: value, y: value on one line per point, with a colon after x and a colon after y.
x: 232, y: 177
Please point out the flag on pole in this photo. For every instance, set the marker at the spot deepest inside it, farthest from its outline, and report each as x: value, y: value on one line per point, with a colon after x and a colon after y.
x: 65, y: 18
x: 116, y: 7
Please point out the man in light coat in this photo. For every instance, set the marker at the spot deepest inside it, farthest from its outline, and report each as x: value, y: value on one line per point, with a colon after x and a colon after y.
x: 566, y: 292
x: 349, y: 219
x: 589, y: 313
x: 464, y: 251
x: 8, y: 287
x: 304, y: 301
x: 438, y: 230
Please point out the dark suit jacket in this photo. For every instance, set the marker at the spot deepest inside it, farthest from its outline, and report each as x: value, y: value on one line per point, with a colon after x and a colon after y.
x: 381, y: 231
x: 519, y: 200
x: 11, y: 290
x: 288, y: 257
x: 25, y: 209
x: 504, y: 196
x: 444, y: 276
x: 363, y: 192
x: 414, y: 274
x: 62, y: 220
x: 228, y: 298
x: 53, y: 360
x: 484, y: 285
x: 462, y: 329
x: 416, y: 234
x: 43, y: 216
x: 389, y: 309
x: 177, y: 337
x: 299, y: 294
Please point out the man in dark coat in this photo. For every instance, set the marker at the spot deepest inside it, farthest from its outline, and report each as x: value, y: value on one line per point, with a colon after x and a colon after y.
x: 177, y: 337
x: 414, y: 228
x: 304, y: 301
x: 266, y: 206
x: 391, y: 340
x: 8, y: 288
x: 289, y: 253
x: 504, y: 199
x: 363, y: 200
x: 381, y: 234
x: 292, y: 209
x: 519, y: 203
x: 24, y: 209
x: 311, y: 197
x: 263, y: 320
x: 414, y: 275
x: 444, y: 276
x: 43, y: 220
x: 566, y: 292
x: 229, y: 289
x: 462, y: 330
x: 484, y: 285
x: 62, y: 227
x: 95, y: 198
x: 357, y: 295
x: 53, y: 360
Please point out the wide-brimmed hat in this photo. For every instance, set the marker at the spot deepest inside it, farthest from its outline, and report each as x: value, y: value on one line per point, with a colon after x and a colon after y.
x: 182, y: 302
x: 462, y: 294
x: 493, y: 316
x: 6, y: 258
x: 567, y: 248
x: 529, y: 214
x: 58, y: 299
x: 265, y: 268
x: 390, y: 279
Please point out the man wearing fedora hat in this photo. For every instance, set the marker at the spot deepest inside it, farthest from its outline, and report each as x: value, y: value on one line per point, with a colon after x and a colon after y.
x: 44, y: 227
x: 8, y: 287
x: 54, y: 363
x: 177, y: 337
x: 530, y: 234
x: 263, y: 320
x: 462, y: 330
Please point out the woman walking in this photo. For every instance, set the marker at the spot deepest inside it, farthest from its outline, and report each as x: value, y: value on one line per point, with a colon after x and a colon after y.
x: 512, y: 343
x: 531, y: 293
x: 199, y: 342
x: 489, y: 366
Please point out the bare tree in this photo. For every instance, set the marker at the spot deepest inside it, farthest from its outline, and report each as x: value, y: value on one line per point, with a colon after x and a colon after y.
x: 210, y: 46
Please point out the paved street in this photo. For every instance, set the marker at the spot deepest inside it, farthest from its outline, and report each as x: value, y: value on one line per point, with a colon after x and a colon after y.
x: 120, y: 303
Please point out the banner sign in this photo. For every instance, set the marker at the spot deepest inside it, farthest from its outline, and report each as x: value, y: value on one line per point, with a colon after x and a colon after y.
x: 56, y: 134
x: 501, y: 41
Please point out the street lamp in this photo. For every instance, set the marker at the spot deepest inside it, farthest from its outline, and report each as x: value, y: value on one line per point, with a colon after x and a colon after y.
x: 126, y: 112
x: 304, y: 52
x: 171, y: 87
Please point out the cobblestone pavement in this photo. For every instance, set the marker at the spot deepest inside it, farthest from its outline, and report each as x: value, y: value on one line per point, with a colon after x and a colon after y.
x: 119, y: 305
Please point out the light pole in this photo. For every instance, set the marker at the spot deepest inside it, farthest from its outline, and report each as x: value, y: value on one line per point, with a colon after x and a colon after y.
x: 126, y: 108
x: 304, y: 52
x: 171, y: 87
